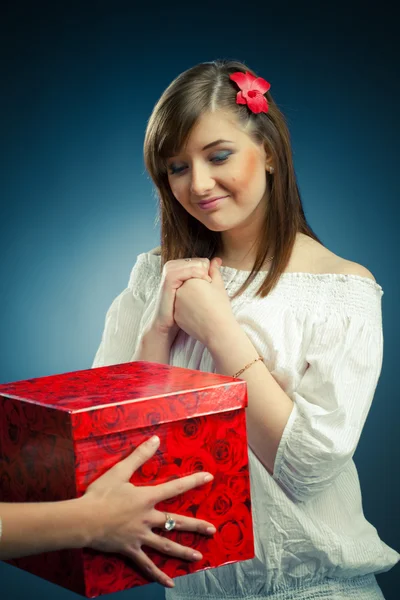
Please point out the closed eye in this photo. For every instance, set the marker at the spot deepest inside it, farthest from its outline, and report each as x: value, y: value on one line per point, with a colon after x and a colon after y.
x: 173, y: 170
x: 220, y: 157
x: 216, y: 159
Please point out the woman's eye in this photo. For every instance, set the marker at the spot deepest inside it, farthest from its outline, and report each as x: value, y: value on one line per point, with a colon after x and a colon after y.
x: 220, y: 157
x: 174, y: 169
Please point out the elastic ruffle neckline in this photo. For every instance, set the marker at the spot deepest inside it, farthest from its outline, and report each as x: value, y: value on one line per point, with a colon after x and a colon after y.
x: 239, y: 276
x: 319, y: 294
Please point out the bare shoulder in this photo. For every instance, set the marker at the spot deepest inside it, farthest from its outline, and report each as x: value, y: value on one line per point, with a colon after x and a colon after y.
x: 310, y: 256
x: 156, y: 251
x: 347, y: 267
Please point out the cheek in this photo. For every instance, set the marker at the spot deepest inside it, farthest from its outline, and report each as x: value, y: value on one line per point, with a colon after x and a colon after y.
x: 177, y: 188
x: 250, y: 171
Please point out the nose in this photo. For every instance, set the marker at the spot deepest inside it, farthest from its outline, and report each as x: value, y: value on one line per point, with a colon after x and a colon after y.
x: 201, y: 181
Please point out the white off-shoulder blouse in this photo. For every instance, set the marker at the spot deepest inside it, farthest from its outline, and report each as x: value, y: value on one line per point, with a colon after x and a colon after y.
x: 321, y: 338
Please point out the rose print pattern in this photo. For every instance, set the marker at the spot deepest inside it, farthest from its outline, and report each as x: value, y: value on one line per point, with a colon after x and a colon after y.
x: 59, y: 433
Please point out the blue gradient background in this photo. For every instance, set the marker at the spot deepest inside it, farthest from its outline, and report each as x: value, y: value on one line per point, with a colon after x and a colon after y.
x: 78, y: 85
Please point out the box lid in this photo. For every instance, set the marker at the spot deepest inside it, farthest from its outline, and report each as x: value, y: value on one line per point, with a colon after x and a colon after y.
x: 127, y: 396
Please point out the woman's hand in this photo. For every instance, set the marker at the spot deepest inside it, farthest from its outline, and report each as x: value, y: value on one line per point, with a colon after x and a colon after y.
x: 174, y: 274
x: 203, y: 310
x: 124, y: 515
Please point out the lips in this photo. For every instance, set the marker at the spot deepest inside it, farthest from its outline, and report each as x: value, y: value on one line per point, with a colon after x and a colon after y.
x: 210, y: 201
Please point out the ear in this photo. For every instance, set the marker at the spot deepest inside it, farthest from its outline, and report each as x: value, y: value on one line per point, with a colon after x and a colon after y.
x: 269, y: 161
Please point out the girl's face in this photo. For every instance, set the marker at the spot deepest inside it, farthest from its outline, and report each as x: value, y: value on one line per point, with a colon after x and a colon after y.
x: 219, y: 177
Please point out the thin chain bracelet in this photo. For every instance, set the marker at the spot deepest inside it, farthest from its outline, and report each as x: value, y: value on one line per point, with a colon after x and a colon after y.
x: 247, y: 366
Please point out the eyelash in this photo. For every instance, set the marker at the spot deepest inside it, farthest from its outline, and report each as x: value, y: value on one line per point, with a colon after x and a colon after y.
x: 216, y: 160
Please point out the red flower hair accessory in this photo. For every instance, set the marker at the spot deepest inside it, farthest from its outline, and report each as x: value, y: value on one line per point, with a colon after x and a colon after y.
x: 252, y: 90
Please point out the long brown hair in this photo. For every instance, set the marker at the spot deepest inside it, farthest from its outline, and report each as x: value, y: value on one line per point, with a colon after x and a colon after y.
x: 203, y: 88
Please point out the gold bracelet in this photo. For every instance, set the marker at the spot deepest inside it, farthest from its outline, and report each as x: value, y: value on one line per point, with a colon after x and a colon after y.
x: 247, y: 366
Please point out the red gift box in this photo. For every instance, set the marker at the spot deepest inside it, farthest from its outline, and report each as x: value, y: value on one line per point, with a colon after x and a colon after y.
x: 60, y: 433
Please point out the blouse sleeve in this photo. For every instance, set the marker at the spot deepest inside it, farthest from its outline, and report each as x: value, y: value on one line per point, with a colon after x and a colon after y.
x: 332, y: 400
x: 122, y: 322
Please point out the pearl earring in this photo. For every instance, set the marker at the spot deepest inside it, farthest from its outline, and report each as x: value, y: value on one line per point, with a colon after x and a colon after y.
x: 271, y: 169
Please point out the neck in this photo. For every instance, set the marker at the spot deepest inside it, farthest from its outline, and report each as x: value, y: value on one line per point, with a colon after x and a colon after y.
x: 238, y: 249
x: 239, y: 245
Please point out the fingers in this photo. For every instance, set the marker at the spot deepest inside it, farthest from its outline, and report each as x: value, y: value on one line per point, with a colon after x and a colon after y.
x: 183, y: 523
x: 171, y: 548
x: 195, y: 268
x: 203, y: 262
x: 149, y: 568
x: 167, y: 490
x: 216, y: 262
x: 196, y: 273
x: 176, y: 272
x: 173, y: 265
x: 127, y: 466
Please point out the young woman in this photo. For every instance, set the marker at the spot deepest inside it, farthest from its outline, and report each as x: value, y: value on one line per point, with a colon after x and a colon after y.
x: 242, y: 286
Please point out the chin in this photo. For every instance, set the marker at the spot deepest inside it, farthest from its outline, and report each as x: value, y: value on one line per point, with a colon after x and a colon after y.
x: 217, y: 227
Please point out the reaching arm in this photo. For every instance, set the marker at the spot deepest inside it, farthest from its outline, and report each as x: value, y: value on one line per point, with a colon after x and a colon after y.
x: 112, y: 516
x: 30, y: 528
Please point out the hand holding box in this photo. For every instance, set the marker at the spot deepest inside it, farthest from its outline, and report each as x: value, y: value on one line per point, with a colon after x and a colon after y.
x: 62, y: 432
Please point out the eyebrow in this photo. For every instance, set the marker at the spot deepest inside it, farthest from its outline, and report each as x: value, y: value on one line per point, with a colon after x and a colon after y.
x: 216, y: 143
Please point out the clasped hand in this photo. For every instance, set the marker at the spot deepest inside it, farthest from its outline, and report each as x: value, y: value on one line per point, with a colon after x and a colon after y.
x: 202, y: 308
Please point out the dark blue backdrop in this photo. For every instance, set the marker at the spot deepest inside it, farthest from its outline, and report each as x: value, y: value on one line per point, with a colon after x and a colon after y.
x: 77, y: 87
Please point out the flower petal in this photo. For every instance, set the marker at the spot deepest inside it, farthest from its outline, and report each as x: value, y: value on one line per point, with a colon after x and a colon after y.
x: 240, y: 98
x: 260, y: 85
x: 243, y: 80
x: 257, y: 104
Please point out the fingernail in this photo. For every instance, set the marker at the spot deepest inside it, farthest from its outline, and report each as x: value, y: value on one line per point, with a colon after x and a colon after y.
x: 169, y: 583
x: 208, y: 478
x: 154, y: 440
x: 211, y: 530
x: 197, y: 556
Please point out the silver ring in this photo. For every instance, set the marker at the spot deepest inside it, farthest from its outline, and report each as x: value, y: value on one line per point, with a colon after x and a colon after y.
x: 188, y: 259
x: 169, y: 523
